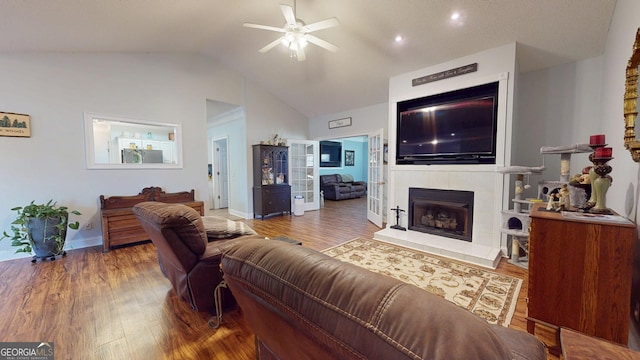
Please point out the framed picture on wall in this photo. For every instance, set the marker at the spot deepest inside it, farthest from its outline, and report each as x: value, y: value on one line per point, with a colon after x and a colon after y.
x: 12, y: 124
x: 349, y: 156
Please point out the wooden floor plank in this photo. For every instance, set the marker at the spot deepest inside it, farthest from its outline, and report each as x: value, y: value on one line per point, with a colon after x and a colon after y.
x: 118, y: 304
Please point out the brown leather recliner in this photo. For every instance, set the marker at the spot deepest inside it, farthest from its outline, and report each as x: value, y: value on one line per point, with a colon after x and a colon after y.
x: 302, y: 304
x: 186, y: 257
x: 339, y: 187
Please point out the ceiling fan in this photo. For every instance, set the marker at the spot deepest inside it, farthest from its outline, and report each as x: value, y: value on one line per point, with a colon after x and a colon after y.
x: 296, y: 35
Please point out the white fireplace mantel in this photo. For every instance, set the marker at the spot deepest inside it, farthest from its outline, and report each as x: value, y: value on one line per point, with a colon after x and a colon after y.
x: 487, y: 184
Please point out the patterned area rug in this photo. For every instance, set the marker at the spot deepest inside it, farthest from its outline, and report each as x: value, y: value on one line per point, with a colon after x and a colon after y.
x: 487, y: 294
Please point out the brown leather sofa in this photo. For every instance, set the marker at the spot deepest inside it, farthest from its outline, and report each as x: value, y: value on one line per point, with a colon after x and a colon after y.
x: 302, y: 304
x: 190, y: 257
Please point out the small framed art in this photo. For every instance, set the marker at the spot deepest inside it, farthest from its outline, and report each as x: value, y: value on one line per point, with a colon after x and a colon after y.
x: 349, y: 157
x: 339, y: 123
x: 12, y: 124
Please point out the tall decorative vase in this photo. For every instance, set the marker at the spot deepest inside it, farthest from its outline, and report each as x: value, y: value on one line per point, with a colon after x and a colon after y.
x: 600, y: 186
x: 593, y: 176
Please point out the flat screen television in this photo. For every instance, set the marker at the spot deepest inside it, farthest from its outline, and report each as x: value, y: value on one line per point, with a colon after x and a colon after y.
x: 457, y: 127
x: 330, y: 154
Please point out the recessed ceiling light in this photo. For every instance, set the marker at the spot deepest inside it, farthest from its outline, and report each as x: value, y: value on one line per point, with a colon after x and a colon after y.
x: 398, y: 38
x: 457, y: 18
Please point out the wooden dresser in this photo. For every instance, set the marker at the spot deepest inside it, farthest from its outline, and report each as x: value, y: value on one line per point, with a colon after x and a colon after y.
x: 580, y: 274
x: 120, y: 226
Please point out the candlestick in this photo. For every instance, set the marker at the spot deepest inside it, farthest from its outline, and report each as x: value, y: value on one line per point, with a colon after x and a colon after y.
x: 596, y: 139
x: 604, y: 152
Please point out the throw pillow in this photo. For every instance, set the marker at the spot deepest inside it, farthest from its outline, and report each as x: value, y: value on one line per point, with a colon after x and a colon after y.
x: 348, y: 178
x: 220, y: 228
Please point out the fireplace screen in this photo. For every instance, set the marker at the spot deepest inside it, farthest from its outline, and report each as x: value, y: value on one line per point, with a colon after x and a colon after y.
x: 446, y: 213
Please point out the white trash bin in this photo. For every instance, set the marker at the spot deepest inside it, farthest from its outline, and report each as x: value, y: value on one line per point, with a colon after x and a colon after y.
x: 298, y: 205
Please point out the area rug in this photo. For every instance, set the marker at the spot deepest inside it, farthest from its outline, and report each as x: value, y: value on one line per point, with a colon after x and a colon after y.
x: 490, y: 295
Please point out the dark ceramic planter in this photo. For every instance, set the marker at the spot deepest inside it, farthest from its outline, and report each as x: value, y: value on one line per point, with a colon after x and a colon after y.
x: 42, y: 233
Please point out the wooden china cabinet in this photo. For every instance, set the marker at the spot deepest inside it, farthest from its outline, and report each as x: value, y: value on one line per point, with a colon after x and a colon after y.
x: 271, y: 189
x: 580, y: 273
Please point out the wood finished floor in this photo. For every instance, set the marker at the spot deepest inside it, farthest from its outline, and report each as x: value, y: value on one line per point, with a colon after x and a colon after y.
x: 118, y: 305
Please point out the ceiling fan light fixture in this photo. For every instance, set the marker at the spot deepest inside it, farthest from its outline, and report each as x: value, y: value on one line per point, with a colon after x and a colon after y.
x: 295, y: 40
x: 296, y: 33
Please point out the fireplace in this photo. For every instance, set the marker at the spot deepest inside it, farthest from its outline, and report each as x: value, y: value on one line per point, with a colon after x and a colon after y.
x: 447, y: 213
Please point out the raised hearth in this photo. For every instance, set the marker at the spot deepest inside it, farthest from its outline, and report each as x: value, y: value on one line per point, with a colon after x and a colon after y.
x: 437, y: 219
x: 478, y: 254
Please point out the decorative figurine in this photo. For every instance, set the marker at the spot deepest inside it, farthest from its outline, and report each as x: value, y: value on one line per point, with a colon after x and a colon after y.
x: 397, y: 225
x: 565, y: 198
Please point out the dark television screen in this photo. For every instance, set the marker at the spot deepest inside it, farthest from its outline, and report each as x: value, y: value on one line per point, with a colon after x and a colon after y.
x: 330, y: 154
x: 453, y: 127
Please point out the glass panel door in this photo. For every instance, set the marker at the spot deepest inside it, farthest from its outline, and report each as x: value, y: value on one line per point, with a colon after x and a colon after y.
x: 303, y: 176
x: 375, y: 186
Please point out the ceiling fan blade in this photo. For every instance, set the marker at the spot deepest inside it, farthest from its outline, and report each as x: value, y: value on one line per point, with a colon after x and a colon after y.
x: 289, y: 16
x: 322, y: 43
x: 270, y: 45
x: 324, y: 24
x: 301, y: 55
x: 263, y: 27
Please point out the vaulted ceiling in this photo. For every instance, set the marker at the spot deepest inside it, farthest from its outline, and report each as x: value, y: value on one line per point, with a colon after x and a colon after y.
x: 548, y: 33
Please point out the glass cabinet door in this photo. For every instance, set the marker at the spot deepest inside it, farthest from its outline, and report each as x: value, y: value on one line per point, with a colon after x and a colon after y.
x: 281, y: 160
x: 274, y: 165
x: 267, y: 166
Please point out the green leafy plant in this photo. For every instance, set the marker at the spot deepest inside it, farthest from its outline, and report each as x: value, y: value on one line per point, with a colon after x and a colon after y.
x: 23, y: 237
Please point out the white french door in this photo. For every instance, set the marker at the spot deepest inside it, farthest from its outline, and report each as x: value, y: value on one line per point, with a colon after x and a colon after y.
x: 303, y: 172
x: 375, y: 179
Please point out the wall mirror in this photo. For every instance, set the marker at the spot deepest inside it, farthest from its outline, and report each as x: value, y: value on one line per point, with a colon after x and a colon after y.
x: 631, y: 140
x: 120, y: 143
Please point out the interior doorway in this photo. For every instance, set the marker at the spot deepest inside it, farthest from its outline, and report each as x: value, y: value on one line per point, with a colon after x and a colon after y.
x: 356, y: 164
x: 226, y: 138
x: 219, y: 174
x: 367, y: 162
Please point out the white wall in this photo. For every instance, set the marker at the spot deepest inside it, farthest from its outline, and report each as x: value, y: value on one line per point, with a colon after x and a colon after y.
x: 55, y: 90
x: 565, y: 104
x: 267, y: 115
x: 556, y: 106
x: 363, y: 121
x: 623, y: 195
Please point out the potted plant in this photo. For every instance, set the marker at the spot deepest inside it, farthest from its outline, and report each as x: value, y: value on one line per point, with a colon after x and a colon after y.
x: 41, y: 228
